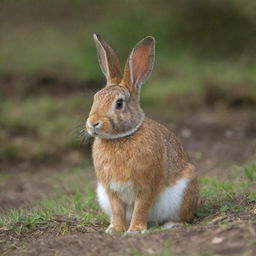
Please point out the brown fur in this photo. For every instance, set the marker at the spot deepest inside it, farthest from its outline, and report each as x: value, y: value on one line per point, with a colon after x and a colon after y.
x: 118, y: 212
x: 150, y: 156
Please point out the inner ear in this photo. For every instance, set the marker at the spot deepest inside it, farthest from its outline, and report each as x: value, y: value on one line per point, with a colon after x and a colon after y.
x: 140, y: 63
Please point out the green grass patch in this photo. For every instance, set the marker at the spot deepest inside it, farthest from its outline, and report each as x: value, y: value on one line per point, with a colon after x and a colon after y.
x: 250, y: 172
x: 79, y: 208
x: 228, y: 195
x: 72, y: 201
x: 47, y: 51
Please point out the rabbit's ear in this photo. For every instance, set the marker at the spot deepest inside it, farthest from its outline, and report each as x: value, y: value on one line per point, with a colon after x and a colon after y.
x: 139, y: 64
x: 108, y: 61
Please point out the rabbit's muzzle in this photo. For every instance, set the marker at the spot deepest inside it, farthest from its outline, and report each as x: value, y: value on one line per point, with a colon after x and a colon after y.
x: 96, y: 125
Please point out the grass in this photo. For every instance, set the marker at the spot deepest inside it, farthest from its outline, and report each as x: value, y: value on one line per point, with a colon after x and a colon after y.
x: 69, y: 50
x: 72, y: 200
x: 79, y: 208
x: 75, y: 56
x: 250, y: 172
x: 229, y: 195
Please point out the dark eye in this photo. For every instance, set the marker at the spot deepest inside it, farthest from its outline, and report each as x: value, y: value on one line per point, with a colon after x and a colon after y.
x: 119, y: 104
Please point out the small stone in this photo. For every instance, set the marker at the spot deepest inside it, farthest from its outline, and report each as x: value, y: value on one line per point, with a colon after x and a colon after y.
x: 217, y: 240
x: 185, y: 133
x: 229, y: 133
x: 150, y: 251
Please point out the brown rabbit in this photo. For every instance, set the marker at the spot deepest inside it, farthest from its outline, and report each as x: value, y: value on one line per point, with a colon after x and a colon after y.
x: 143, y: 173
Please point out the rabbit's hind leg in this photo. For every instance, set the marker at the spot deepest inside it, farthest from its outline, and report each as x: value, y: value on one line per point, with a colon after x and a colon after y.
x: 191, y: 200
x: 189, y: 203
x: 168, y: 203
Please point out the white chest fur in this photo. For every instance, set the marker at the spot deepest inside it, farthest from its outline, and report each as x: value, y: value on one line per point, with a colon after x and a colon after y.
x: 124, y: 190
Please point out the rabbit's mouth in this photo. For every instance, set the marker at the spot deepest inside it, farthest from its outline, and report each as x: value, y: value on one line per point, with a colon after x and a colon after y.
x: 92, y: 131
x: 99, y: 134
x: 95, y: 132
x: 97, y: 127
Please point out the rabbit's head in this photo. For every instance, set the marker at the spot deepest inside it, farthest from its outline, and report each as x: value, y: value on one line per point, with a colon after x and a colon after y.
x: 116, y: 111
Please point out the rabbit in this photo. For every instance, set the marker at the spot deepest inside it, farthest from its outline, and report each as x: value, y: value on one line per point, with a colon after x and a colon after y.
x: 144, y: 175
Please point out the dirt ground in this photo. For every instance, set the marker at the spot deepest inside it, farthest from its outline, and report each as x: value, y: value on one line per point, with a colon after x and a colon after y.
x: 216, y: 138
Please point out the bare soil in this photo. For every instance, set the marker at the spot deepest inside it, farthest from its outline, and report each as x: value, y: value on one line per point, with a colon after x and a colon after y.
x: 232, y: 234
x: 235, y: 237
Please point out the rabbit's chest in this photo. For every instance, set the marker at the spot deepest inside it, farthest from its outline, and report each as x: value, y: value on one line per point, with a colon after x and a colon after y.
x: 124, y: 162
x: 124, y: 190
x: 114, y: 165
x: 119, y: 175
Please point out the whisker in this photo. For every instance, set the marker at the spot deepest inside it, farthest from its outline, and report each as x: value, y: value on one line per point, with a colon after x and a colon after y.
x: 80, y: 133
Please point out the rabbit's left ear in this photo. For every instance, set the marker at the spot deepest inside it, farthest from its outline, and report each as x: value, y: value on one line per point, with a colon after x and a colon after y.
x: 139, y: 64
x: 108, y: 61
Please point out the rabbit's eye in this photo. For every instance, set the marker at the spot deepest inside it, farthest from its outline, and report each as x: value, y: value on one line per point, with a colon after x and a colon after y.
x: 119, y: 104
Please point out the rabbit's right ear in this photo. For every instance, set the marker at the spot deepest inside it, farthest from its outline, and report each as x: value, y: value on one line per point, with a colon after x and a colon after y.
x: 108, y: 61
x: 139, y: 64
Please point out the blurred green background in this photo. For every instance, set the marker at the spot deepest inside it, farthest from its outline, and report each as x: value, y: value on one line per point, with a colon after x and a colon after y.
x: 205, y: 58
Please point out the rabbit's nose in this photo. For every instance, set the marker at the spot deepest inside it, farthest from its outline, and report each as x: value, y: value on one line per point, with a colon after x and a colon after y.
x: 93, y: 124
x: 96, y: 124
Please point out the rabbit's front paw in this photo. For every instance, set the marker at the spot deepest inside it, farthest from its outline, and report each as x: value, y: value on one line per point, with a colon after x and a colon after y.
x: 140, y: 229
x: 110, y: 229
x: 114, y: 229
